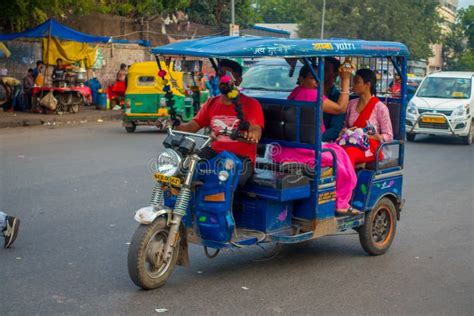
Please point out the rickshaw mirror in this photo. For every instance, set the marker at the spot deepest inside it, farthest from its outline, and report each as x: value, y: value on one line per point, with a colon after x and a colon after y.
x: 292, y: 62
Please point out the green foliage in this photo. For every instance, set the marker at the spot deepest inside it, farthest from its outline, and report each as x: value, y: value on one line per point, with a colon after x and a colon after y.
x: 218, y: 12
x: 277, y: 11
x: 18, y: 15
x: 458, y: 45
x: 466, y: 17
x: 375, y: 20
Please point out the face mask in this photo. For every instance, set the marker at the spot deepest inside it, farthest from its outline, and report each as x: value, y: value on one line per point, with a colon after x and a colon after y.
x: 226, y: 82
x: 225, y: 88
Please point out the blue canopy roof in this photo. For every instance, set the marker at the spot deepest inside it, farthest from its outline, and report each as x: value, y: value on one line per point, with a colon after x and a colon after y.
x: 57, y: 30
x: 254, y: 46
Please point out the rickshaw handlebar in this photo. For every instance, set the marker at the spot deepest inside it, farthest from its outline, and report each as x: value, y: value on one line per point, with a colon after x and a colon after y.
x: 207, y: 138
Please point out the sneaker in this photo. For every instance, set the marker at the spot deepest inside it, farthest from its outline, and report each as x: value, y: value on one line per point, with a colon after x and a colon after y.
x: 11, y: 232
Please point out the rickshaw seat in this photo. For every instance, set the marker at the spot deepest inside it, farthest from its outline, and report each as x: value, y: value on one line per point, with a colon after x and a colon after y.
x: 294, y: 168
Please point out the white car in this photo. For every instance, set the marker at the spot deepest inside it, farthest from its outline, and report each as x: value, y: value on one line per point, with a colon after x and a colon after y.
x: 442, y: 105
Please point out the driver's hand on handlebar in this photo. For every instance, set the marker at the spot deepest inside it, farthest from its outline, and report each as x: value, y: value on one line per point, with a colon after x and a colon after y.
x: 249, y: 137
x: 253, y: 134
x: 213, y: 135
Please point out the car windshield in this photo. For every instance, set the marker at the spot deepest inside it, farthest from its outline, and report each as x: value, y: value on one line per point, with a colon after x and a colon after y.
x: 270, y: 77
x: 447, y: 88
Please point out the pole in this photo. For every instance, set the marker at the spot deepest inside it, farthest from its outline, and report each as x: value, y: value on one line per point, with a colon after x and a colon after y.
x: 322, y: 19
x: 47, y: 52
x: 233, y: 12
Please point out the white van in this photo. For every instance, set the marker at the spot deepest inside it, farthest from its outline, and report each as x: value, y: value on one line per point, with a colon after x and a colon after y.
x: 442, y: 105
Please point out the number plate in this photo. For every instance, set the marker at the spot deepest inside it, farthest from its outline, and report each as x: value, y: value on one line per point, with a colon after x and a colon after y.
x: 165, y: 179
x: 433, y: 119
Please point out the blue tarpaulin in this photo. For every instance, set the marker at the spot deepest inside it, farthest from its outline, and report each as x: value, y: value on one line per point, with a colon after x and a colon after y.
x: 58, y: 30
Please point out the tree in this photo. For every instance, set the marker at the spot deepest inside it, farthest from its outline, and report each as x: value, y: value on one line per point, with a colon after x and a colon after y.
x: 277, y: 11
x: 458, y: 44
x: 414, y: 23
x: 466, y: 17
x: 18, y: 15
x: 218, y: 12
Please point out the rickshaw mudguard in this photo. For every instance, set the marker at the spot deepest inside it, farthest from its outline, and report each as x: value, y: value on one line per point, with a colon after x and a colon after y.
x: 371, y: 187
x: 147, y: 215
x: 213, y: 201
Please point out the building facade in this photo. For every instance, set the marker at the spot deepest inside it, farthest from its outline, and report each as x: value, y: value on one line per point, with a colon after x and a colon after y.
x: 447, y: 11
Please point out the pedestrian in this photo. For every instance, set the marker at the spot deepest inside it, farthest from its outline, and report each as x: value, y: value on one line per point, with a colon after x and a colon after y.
x: 28, y: 83
x: 37, y: 70
x: 12, y: 86
x: 39, y: 75
x: 122, y: 73
x: 59, y: 73
x: 214, y: 85
x: 9, y: 226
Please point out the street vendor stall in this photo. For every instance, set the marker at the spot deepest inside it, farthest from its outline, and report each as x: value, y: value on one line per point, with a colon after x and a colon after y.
x: 69, y: 98
x: 72, y: 47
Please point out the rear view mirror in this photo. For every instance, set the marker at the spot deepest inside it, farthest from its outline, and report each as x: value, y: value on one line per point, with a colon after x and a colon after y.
x: 187, y: 65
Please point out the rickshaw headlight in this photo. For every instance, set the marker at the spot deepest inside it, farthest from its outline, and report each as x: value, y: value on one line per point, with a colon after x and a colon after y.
x: 169, y: 162
x: 223, y: 175
x: 163, y: 102
x: 412, y: 108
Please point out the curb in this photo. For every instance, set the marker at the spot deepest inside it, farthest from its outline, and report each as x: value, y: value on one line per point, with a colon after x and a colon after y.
x: 53, y: 120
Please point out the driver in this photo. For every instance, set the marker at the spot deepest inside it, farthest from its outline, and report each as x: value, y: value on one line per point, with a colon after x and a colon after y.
x: 228, y: 113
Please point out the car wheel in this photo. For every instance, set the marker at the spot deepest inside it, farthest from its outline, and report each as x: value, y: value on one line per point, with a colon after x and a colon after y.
x: 467, y: 140
x: 411, y: 137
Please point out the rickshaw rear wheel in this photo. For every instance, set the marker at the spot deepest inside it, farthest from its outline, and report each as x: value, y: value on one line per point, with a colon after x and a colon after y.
x: 146, y: 266
x: 378, y: 232
x: 411, y: 137
x: 131, y: 128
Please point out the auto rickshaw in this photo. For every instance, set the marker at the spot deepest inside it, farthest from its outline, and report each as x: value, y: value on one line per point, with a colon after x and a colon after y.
x: 144, y: 97
x: 199, y: 201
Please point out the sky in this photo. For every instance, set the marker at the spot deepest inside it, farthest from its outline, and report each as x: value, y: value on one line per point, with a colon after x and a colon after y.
x: 465, y: 3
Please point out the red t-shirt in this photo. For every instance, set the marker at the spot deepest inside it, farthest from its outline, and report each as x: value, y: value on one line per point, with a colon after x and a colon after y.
x: 222, y: 118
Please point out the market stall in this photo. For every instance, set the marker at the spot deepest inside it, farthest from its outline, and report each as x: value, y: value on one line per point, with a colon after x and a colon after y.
x: 74, y: 49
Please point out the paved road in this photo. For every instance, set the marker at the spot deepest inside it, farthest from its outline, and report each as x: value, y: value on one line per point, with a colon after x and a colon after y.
x: 75, y: 190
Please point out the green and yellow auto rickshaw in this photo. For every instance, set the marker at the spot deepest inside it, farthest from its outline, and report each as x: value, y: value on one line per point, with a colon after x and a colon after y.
x: 145, y: 102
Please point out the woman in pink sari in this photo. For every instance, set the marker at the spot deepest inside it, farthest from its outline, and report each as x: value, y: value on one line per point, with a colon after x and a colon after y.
x: 346, y: 178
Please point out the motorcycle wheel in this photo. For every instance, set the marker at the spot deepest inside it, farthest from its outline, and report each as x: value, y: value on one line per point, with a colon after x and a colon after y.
x: 145, y: 255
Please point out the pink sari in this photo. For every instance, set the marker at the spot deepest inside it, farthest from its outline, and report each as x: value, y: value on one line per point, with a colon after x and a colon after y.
x: 346, y: 178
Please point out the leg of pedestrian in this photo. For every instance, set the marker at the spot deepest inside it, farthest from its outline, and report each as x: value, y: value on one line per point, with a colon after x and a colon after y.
x: 9, y: 226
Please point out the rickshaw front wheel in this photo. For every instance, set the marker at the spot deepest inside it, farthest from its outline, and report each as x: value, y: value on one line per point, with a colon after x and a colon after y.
x: 146, y: 265
x: 378, y: 232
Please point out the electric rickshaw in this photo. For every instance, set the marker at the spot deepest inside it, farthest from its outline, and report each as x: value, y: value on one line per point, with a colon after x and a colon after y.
x: 199, y: 201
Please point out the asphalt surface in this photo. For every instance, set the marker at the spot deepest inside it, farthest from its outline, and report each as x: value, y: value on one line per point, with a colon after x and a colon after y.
x: 75, y: 190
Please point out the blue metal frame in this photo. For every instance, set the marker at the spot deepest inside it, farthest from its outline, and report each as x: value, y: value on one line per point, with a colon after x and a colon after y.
x: 380, y: 182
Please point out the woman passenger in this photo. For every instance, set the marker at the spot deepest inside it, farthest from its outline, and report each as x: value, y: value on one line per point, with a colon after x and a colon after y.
x: 345, y: 177
x: 367, y: 108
